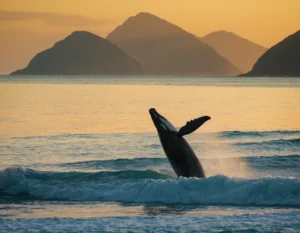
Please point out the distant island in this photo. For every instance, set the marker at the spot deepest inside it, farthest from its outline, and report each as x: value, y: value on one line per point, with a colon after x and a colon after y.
x: 82, y: 53
x: 165, y: 49
x: 240, y: 52
x: 283, y: 59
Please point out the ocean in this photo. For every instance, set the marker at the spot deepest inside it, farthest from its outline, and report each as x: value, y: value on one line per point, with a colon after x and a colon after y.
x: 81, y: 154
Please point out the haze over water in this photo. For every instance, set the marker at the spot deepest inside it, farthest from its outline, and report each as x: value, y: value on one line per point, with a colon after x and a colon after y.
x: 77, y: 149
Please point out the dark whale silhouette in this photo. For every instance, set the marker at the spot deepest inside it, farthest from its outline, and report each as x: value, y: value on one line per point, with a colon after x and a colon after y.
x: 179, y: 152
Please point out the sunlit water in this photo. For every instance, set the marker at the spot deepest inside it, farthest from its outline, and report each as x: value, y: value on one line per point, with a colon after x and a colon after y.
x: 82, y: 154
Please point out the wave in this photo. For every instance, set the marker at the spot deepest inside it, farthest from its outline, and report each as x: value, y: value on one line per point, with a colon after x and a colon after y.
x: 147, y: 144
x: 118, y: 164
x: 215, y: 190
x: 282, y: 133
x: 291, y: 145
x: 280, y: 142
x: 260, y: 142
x: 275, y: 162
x: 74, y: 177
x: 291, y: 161
x: 224, y: 134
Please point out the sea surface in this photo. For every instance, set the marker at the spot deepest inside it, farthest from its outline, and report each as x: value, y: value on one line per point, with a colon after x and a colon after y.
x: 81, y: 154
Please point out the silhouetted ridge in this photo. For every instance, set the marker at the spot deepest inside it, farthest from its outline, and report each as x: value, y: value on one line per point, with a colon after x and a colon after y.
x: 164, y: 48
x: 240, y: 52
x: 82, y: 53
x: 283, y: 59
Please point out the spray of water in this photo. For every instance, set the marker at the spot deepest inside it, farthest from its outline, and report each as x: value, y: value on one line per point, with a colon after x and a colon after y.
x: 219, y: 157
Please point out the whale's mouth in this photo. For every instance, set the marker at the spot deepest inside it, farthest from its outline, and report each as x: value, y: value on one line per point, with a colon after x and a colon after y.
x: 161, y: 122
x: 156, y: 118
x: 153, y: 113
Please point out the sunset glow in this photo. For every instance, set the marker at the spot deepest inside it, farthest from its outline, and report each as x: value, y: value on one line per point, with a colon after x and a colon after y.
x: 27, y: 27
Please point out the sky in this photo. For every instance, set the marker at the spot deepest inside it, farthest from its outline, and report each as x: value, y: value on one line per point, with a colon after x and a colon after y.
x: 28, y: 27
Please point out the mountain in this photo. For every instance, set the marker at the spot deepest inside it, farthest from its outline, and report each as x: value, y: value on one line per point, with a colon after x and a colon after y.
x: 82, y: 53
x: 283, y: 59
x: 240, y: 52
x: 164, y: 48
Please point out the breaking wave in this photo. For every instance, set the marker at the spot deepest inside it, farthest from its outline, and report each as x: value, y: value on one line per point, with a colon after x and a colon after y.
x: 148, y: 187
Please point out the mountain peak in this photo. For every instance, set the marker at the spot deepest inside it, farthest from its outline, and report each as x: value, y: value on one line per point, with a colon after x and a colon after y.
x: 75, y: 33
x: 145, y: 25
x: 241, y: 52
x: 82, y: 53
x: 164, y: 48
x: 282, y: 59
x: 144, y: 14
x: 83, y: 35
x: 223, y: 34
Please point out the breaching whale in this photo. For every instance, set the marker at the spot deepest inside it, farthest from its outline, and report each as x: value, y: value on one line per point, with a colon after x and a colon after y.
x: 179, y: 152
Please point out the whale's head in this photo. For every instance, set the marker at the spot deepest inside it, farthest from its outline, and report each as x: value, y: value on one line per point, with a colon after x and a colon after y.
x: 160, y: 122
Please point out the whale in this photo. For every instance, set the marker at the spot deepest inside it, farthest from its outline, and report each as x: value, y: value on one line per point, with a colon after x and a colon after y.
x: 181, y: 156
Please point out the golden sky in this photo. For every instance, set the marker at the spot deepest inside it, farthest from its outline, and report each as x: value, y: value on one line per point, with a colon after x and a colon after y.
x: 27, y: 27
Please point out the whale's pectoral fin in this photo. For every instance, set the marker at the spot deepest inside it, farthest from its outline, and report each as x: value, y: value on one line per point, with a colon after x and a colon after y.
x: 192, y: 125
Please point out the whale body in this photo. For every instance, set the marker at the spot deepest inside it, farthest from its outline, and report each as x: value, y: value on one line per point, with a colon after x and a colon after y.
x: 180, y: 154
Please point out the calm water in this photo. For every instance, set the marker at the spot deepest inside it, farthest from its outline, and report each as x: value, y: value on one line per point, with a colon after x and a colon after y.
x: 82, y: 154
